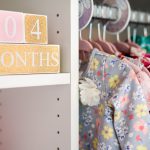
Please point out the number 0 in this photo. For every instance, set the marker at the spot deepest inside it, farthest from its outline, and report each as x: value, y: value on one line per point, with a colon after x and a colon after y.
x: 14, y: 26
x: 36, y: 29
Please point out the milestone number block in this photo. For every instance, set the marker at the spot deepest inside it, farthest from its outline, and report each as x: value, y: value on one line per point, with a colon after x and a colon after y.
x: 36, y: 29
x: 16, y: 27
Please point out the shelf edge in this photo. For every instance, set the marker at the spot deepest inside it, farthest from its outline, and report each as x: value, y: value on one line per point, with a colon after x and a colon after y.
x: 35, y: 80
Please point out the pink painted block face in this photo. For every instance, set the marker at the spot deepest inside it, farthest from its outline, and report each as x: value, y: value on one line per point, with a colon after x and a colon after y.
x: 11, y: 27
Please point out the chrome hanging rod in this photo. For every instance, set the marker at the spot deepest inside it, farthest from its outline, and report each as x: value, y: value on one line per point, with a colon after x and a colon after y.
x: 105, y: 12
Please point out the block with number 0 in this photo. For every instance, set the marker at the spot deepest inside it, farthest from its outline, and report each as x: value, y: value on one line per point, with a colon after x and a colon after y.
x: 16, y: 27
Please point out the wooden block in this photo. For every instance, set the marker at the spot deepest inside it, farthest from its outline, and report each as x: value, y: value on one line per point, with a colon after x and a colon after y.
x: 29, y: 59
x: 11, y: 27
x: 36, y: 29
x: 18, y: 27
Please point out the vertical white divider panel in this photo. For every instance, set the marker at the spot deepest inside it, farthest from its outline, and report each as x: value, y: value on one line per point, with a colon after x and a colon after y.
x: 74, y: 75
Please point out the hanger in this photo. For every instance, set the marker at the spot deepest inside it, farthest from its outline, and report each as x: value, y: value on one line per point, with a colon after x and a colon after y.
x: 130, y: 43
x: 134, y: 34
x: 85, y: 49
x: 145, y: 30
x: 105, y: 45
x: 116, y: 52
x: 84, y: 45
x: 123, y: 47
x: 93, y: 43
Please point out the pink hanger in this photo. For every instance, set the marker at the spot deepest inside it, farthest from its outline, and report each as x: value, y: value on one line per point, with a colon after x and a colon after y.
x: 123, y: 47
x: 135, y: 49
x: 116, y: 52
x: 128, y: 41
x: 85, y: 49
x: 132, y: 44
x: 93, y: 43
x: 105, y: 45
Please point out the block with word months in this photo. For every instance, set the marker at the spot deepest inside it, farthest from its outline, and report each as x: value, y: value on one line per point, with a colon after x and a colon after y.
x: 16, y: 27
x: 29, y: 59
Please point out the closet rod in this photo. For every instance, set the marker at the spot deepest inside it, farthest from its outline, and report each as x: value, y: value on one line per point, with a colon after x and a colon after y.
x: 111, y: 13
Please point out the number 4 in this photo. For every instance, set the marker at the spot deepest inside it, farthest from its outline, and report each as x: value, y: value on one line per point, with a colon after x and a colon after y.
x: 36, y: 29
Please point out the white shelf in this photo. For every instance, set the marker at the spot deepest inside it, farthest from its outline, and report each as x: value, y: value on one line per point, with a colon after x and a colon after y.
x: 19, y: 81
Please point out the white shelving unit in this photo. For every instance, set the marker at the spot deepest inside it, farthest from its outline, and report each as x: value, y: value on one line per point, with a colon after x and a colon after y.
x: 20, y: 81
x: 41, y: 112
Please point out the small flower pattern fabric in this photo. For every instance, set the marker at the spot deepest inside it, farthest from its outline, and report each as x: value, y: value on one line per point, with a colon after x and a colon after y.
x: 121, y: 121
x: 143, y: 79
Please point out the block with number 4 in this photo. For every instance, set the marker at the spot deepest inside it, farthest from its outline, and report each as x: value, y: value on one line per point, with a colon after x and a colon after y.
x: 16, y: 27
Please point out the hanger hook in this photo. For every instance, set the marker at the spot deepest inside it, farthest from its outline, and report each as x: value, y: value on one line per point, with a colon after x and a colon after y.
x: 118, y: 37
x: 129, y: 33
x: 90, y: 31
x: 104, y: 32
x: 99, y: 31
x: 145, y: 32
x: 80, y: 33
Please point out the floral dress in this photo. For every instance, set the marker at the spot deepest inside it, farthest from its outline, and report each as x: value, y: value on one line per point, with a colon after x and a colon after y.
x: 121, y: 120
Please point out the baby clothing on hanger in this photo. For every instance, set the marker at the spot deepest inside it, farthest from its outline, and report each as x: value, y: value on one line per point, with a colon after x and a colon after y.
x: 139, y: 64
x: 121, y: 121
x: 137, y: 52
x: 143, y: 79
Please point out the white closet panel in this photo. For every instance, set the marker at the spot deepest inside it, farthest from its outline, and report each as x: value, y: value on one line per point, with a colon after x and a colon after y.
x: 30, y: 120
